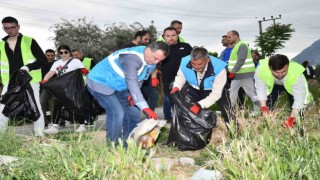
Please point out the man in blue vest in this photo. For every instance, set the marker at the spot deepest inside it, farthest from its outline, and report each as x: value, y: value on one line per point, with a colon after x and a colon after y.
x: 21, y: 52
x: 115, y: 82
x: 204, y: 78
x: 149, y: 87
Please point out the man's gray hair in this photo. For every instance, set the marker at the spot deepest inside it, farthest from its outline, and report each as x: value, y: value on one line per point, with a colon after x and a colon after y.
x: 198, y: 53
x: 159, y: 45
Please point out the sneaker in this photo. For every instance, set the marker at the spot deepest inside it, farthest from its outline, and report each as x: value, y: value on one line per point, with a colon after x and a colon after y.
x: 80, y: 129
x: 51, y: 130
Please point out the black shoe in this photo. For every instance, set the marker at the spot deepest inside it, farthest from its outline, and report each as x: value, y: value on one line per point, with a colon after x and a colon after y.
x: 169, y: 120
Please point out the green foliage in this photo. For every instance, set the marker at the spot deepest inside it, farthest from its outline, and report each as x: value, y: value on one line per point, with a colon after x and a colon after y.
x: 80, y: 34
x: 119, y: 34
x: 94, y: 42
x: 215, y: 54
x: 274, y: 38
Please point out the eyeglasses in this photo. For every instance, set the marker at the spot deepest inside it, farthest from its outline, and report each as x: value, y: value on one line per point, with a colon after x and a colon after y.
x: 10, y: 28
x: 65, y: 52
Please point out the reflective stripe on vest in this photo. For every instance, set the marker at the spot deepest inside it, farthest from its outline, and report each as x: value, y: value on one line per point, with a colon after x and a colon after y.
x: 248, y: 65
x: 109, y: 73
x: 295, y: 70
x: 27, y: 57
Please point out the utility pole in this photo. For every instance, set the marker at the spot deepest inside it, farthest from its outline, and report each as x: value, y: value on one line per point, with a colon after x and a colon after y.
x: 260, y: 26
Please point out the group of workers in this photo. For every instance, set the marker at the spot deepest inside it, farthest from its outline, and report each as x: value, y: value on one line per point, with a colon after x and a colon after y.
x: 116, y: 82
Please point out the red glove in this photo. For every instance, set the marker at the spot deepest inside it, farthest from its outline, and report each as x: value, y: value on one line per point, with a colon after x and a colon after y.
x: 84, y: 71
x: 231, y: 76
x: 195, y: 109
x: 150, y: 114
x: 289, y: 123
x: 130, y: 101
x: 264, y: 110
x: 173, y: 90
x: 43, y: 81
x: 155, y: 82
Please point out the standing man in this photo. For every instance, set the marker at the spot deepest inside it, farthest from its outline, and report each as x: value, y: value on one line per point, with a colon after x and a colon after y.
x: 225, y: 56
x: 140, y: 38
x: 256, y: 58
x: 279, y: 74
x: 178, y: 26
x: 21, y: 52
x: 241, y: 70
x: 170, y: 66
x: 115, y: 82
x: 87, y: 62
x: 45, y: 96
x: 204, y: 77
x: 149, y: 87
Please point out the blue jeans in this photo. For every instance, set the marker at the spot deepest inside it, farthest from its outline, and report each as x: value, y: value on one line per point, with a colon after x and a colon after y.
x: 120, y: 116
x: 167, y: 104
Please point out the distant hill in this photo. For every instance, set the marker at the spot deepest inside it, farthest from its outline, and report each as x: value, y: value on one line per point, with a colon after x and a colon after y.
x: 311, y: 53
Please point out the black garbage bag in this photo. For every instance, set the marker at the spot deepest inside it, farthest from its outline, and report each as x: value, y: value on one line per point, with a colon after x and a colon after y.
x: 69, y: 89
x: 19, y: 99
x: 189, y: 131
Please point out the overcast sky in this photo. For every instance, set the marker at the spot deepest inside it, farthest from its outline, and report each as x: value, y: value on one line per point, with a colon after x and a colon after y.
x: 204, y: 21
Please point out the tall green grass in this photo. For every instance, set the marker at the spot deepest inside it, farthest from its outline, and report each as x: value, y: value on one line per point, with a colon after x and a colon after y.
x: 81, y: 159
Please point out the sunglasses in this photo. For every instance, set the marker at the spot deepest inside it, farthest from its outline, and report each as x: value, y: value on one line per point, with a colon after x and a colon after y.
x: 65, y: 52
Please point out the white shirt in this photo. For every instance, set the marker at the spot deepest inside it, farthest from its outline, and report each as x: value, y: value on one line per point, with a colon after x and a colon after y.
x: 73, y: 65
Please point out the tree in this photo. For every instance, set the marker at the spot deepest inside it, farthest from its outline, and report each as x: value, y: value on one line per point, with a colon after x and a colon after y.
x: 119, y: 34
x: 274, y: 38
x: 93, y: 41
x: 215, y: 54
x: 80, y: 34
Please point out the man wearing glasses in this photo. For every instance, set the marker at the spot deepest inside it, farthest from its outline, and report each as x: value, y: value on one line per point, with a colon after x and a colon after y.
x: 20, y: 52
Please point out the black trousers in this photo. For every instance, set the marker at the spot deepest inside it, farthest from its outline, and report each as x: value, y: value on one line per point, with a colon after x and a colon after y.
x: 272, y: 98
x: 56, y: 114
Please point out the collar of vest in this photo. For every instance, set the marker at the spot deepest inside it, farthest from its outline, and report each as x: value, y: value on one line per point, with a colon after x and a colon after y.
x: 7, y: 37
x: 210, y: 69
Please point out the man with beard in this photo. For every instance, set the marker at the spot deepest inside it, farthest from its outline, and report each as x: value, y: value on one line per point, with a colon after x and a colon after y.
x: 170, y: 66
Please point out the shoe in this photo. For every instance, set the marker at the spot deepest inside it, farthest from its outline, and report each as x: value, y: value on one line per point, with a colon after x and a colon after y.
x: 89, y: 124
x: 52, y: 130
x: 80, y: 129
x: 169, y: 120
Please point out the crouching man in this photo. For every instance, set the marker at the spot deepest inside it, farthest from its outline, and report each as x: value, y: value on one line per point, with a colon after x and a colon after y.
x: 204, y: 77
x: 279, y: 74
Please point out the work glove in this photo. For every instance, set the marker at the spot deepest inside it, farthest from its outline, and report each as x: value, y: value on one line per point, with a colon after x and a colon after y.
x: 84, y: 71
x: 43, y: 81
x: 231, y: 76
x: 150, y: 114
x: 289, y: 123
x: 130, y: 101
x: 25, y: 68
x: 264, y: 110
x: 174, y: 90
x: 195, y: 108
x: 155, y: 82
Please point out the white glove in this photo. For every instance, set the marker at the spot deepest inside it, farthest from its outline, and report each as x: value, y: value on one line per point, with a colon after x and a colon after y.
x: 25, y: 68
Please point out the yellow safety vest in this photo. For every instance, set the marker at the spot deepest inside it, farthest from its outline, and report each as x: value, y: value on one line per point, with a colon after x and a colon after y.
x: 27, y: 57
